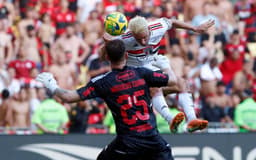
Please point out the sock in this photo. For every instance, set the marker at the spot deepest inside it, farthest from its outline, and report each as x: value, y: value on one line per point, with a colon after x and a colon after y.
x: 186, y: 102
x: 161, y: 107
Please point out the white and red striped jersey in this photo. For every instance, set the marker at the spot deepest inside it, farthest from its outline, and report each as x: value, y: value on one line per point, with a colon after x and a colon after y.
x: 157, y: 30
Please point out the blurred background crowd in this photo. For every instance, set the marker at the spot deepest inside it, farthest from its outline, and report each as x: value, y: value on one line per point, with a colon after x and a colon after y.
x: 64, y: 37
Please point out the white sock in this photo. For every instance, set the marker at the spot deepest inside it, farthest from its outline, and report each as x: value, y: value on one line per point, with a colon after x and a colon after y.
x: 161, y: 107
x: 186, y: 102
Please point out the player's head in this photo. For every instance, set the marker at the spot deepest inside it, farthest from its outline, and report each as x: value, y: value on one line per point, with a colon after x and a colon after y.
x: 139, y: 28
x: 115, y: 50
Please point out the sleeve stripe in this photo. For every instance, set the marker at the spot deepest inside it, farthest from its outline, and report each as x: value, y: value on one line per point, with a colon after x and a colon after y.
x: 155, y: 24
x: 127, y: 35
x: 156, y: 28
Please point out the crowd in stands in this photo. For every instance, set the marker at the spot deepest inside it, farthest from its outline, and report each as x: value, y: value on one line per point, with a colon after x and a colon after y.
x: 64, y: 37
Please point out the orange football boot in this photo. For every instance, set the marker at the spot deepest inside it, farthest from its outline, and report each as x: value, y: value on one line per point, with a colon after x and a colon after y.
x: 176, y: 122
x: 197, y: 124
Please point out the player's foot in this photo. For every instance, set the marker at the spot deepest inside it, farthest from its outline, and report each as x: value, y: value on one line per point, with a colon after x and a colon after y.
x: 176, y: 122
x: 197, y: 124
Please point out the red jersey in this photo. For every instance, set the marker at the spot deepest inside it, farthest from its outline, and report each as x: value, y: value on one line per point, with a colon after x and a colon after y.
x: 229, y: 67
x: 51, y: 10
x: 22, y: 68
x: 62, y: 19
x: 244, y: 12
x: 230, y: 48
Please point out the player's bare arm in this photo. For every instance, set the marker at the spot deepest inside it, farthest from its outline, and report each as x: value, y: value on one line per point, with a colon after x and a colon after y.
x: 66, y: 95
x: 198, y: 29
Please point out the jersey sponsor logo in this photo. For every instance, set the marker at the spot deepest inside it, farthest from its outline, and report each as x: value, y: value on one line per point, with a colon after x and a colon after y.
x: 129, y: 85
x: 124, y: 76
x: 148, y: 50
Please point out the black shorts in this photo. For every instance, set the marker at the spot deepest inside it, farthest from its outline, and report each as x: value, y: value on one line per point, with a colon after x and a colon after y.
x: 151, y: 148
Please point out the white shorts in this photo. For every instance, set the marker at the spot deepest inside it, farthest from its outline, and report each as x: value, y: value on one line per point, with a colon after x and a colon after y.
x: 143, y: 61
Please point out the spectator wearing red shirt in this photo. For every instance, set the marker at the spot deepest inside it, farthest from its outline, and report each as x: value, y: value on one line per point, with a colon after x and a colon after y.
x: 23, y: 5
x: 129, y: 9
x: 50, y: 7
x: 24, y: 68
x: 234, y: 60
x: 243, y: 9
x: 110, y: 5
x: 64, y: 18
x: 251, y: 31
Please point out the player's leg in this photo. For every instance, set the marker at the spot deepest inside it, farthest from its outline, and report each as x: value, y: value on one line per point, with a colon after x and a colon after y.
x: 194, y: 124
x: 165, y: 154
x: 160, y: 151
x: 116, y: 150
x: 111, y: 151
x: 159, y: 103
x: 185, y: 100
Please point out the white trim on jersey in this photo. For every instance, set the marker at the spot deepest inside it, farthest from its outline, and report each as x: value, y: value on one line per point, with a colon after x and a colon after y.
x: 94, y: 79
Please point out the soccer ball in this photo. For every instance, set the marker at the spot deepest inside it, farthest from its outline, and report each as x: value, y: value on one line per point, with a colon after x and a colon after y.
x: 115, y: 23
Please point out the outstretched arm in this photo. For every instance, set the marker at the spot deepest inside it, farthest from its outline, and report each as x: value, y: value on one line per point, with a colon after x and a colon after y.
x: 198, y: 29
x: 49, y: 82
x: 68, y: 96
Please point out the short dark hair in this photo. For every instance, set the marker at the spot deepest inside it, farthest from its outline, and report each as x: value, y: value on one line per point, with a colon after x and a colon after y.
x: 220, y: 83
x: 30, y: 27
x: 235, y: 31
x: 5, y: 93
x: 115, y: 50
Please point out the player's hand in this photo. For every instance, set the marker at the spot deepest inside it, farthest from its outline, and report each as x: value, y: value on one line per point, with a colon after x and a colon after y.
x: 204, y: 27
x: 162, y: 62
x: 48, y: 80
